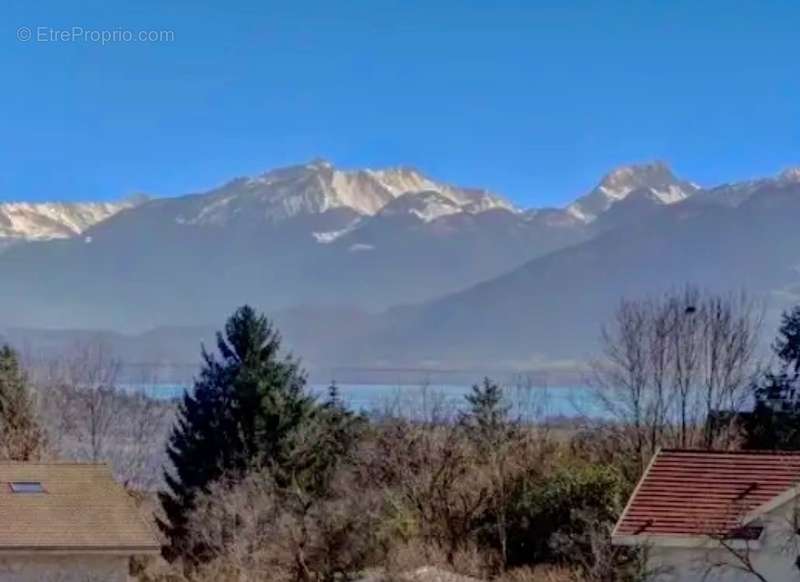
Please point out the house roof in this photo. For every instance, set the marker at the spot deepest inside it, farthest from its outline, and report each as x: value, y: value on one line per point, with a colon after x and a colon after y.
x: 81, y: 508
x: 707, y: 493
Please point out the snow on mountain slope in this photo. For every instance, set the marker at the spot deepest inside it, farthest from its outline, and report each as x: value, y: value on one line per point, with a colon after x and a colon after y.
x: 52, y: 220
x: 615, y: 186
x: 331, y: 235
x: 426, y: 206
x: 403, y: 180
x: 318, y: 186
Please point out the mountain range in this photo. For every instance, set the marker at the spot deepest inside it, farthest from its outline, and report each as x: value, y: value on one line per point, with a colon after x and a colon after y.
x: 25, y: 221
x: 391, y: 268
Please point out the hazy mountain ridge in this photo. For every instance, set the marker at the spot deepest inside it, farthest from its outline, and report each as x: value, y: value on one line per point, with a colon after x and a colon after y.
x: 303, y: 235
x: 551, y: 309
x: 736, y: 193
x: 327, y: 251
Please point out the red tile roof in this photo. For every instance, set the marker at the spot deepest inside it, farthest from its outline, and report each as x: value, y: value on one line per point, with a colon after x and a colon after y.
x: 692, y: 492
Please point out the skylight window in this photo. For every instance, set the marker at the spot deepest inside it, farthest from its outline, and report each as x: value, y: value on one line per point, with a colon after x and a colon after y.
x: 26, y: 487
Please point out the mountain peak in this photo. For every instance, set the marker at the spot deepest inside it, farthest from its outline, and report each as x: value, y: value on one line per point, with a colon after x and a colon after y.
x: 651, y: 174
x: 319, y: 164
x: 656, y: 176
x: 790, y: 175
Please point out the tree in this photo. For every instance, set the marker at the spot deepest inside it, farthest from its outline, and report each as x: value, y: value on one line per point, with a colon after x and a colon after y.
x: 671, y: 365
x: 487, y: 422
x: 255, y: 530
x: 297, y: 518
x: 497, y: 440
x: 21, y: 438
x: 775, y: 420
x: 787, y: 344
x: 246, y: 406
x: 89, y: 415
x: 551, y: 518
x: 327, y: 442
x: 306, y: 484
x: 90, y: 389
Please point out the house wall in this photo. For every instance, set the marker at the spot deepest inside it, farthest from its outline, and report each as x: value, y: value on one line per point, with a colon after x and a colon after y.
x: 774, y: 557
x: 694, y: 565
x: 64, y: 568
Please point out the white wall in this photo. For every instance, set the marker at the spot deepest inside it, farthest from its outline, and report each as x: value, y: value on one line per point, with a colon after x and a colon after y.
x: 690, y: 565
x: 775, y: 559
x: 65, y: 568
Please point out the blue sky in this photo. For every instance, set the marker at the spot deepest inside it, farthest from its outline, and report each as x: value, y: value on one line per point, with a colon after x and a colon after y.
x: 535, y: 100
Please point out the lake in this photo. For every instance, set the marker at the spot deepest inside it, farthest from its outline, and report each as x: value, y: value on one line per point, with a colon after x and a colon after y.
x: 440, y: 401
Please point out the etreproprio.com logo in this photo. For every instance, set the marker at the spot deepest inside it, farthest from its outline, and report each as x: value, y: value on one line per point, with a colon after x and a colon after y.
x: 49, y: 34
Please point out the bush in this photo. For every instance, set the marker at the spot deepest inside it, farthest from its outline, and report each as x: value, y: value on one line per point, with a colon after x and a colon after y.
x: 544, y: 511
x: 252, y: 529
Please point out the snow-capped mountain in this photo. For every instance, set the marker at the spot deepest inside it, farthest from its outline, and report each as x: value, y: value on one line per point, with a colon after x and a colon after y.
x: 309, y: 234
x: 318, y: 187
x: 313, y: 239
x: 655, y: 177
x: 55, y: 220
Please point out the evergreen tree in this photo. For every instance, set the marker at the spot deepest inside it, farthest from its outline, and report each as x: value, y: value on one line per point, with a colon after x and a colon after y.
x: 487, y: 420
x: 21, y: 438
x: 495, y: 438
x: 787, y: 344
x: 245, y: 406
x: 775, y: 420
x: 342, y: 430
x: 328, y: 442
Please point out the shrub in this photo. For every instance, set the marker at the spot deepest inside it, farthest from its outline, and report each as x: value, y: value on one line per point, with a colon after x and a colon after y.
x: 543, y: 511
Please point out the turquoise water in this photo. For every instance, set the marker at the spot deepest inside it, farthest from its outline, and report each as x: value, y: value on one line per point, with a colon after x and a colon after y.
x: 438, y: 401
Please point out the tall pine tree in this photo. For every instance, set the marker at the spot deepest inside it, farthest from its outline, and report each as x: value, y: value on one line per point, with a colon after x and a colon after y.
x: 245, y: 406
x: 21, y: 437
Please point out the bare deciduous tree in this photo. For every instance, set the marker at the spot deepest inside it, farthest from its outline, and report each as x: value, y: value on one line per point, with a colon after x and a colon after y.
x: 251, y: 529
x: 91, y: 416
x: 673, y: 366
